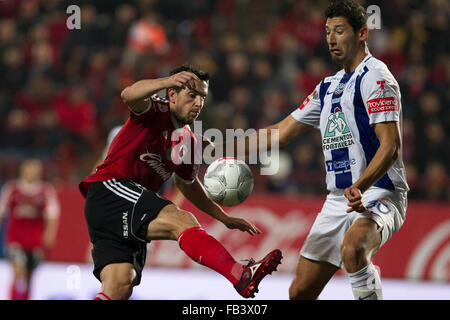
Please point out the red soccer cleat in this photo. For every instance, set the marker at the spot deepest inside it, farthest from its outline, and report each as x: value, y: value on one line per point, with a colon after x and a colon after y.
x: 254, y: 272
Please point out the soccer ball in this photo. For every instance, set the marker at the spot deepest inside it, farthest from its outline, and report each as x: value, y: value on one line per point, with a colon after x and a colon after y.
x: 228, y: 181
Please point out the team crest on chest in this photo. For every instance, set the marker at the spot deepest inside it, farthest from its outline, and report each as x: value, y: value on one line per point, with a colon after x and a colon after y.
x: 339, y: 89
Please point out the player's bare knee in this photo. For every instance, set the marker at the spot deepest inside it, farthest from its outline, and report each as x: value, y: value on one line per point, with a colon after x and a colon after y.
x: 354, y: 256
x: 298, y: 292
x: 293, y: 290
x: 117, y: 290
x: 170, y: 223
x: 186, y: 220
x: 118, y: 281
x: 118, y: 287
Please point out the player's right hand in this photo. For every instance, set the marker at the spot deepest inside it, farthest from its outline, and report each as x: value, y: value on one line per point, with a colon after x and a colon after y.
x: 182, y: 79
x: 354, y: 196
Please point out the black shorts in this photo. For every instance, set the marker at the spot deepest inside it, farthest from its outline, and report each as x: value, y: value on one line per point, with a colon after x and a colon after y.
x: 117, y: 213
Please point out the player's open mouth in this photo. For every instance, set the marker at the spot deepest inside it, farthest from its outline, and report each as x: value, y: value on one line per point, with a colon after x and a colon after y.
x: 336, y: 51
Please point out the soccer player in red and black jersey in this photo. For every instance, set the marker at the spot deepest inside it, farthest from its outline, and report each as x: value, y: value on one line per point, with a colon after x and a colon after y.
x: 123, y: 210
x: 33, y: 212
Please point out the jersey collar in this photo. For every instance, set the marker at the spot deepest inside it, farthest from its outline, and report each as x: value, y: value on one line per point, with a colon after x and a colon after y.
x: 360, y: 67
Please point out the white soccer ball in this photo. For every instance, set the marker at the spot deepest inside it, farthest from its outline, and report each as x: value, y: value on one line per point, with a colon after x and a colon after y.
x: 228, y: 181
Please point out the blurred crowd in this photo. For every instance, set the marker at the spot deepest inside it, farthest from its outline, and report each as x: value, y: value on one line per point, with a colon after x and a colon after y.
x: 60, y: 88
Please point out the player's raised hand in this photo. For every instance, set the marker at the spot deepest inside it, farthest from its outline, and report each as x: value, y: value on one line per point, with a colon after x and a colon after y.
x: 354, y: 196
x: 241, y: 224
x: 182, y: 79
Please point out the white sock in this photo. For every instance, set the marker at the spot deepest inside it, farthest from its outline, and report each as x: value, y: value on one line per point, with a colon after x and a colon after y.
x: 366, y: 284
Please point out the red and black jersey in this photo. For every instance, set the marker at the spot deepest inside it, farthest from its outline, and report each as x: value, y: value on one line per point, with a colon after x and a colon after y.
x: 142, y: 150
x: 28, y: 205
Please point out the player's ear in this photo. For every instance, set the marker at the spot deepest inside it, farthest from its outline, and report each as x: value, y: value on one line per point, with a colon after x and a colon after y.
x: 363, y: 34
x: 171, y: 94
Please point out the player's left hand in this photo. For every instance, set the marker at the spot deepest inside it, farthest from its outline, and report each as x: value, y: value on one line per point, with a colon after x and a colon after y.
x: 354, y: 196
x: 241, y: 224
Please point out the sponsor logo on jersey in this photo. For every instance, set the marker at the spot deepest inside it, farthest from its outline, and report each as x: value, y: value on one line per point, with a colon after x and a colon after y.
x: 340, y: 166
x: 337, y: 133
x: 155, y: 162
x: 381, y: 83
x: 382, y: 105
x: 332, y: 78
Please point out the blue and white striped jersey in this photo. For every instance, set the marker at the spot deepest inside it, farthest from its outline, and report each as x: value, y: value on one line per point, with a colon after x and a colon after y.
x: 344, y: 106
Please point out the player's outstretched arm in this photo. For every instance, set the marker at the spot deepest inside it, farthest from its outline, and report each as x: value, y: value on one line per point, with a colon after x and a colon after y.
x: 282, y: 133
x: 388, y: 134
x: 196, y: 194
x: 4, y: 201
x: 136, y: 96
x: 51, y: 218
x: 290, y: 129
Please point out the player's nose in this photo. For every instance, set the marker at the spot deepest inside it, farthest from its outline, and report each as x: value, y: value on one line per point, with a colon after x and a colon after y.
x: 198, y: 102
x: 331, y: 39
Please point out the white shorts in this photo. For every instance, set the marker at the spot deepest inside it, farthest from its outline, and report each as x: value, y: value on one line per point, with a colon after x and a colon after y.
x: 387, y: 208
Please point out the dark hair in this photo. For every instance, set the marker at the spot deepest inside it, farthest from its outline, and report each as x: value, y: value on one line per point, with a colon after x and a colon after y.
x: 185, y: 67
x: 202, y: 75
x: 353, y: 12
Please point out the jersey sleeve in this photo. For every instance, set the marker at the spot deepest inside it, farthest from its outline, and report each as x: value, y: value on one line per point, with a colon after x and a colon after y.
x: 309, y: 111
x: 155, y: 105
x: 381, y: 96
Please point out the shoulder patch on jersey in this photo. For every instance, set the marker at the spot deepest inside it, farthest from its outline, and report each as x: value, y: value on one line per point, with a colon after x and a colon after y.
x: 314, y: 95
x: 163, y: 103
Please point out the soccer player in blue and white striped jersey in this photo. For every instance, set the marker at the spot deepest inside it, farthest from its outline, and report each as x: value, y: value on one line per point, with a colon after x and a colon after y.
x: 358, y: 112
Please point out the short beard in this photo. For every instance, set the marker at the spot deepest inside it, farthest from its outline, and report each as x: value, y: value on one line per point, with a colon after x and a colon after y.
x: 337, y: 61
x: 185, y: 120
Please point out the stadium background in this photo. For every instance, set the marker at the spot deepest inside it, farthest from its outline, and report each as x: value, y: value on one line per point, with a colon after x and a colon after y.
x: 60, y: 96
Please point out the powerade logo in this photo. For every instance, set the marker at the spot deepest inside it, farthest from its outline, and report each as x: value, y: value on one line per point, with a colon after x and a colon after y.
x: 340, y: 166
